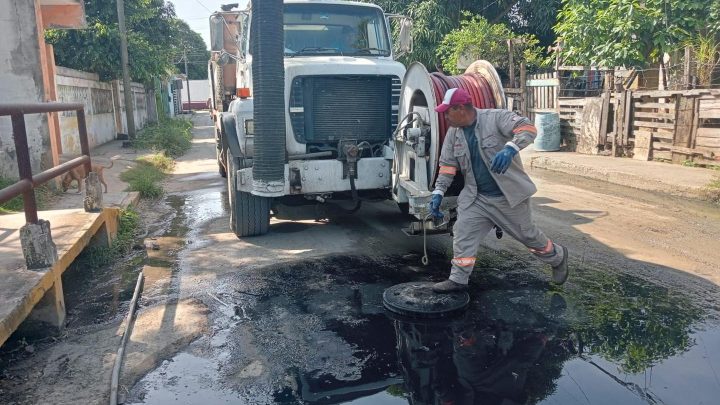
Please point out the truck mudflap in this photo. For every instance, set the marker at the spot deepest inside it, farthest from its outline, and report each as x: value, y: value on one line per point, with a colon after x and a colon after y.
x: 326, y: 176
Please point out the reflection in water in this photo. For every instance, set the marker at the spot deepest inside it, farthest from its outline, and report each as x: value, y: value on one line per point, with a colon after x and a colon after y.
x: 513, y: 346
x: 466, y: 362
x: 632, y: 323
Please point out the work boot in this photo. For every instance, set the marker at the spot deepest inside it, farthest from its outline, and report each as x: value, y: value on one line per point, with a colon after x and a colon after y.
x: 561, y: 272
x: 448, y: 286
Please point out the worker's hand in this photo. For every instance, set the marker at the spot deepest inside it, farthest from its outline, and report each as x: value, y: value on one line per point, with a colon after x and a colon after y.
x: 435, y: 206
x: 502, y: 159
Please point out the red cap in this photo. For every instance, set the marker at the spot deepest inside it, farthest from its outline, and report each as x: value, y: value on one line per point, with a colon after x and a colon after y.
x: 456, y: 96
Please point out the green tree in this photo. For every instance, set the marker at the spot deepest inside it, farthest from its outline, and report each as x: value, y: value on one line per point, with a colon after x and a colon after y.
x: 154, y: 39
x: 627, y: 32
x: 479, y: 39
x: 433, y: 19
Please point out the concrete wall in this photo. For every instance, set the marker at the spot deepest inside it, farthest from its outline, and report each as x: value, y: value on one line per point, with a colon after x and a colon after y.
x: 21, y: 81
x: 139, y: 99
x: 74, y: 86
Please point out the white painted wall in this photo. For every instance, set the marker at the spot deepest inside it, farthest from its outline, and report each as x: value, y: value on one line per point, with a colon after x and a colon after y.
x: 21, y: 82
x: 199, y: 90
x: 74, y: 86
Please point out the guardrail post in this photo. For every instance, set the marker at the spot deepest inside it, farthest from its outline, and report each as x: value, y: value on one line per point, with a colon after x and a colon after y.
x: 37, y: 245
x: 24, y: 167
x: 36, y: 241
x: 93, y: 189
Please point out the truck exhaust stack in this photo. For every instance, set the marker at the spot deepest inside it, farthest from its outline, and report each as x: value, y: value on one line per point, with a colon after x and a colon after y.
x: 269, y: 93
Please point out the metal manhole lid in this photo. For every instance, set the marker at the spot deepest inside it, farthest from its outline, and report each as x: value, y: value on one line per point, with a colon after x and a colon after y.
x: 416, y: 299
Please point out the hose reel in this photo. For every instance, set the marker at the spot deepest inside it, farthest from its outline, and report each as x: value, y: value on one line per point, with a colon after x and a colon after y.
x: 424, y: 91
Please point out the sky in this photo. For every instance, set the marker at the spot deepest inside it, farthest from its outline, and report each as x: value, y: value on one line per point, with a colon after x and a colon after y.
x: 197, y: 12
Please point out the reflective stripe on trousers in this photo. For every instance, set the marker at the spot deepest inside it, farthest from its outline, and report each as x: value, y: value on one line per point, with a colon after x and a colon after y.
x: 474, y: 223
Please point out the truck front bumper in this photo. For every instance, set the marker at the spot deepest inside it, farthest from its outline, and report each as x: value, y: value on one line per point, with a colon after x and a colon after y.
x: 325, y: 176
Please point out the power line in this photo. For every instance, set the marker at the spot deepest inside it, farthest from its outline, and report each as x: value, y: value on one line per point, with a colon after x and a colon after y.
x: 200, y: 3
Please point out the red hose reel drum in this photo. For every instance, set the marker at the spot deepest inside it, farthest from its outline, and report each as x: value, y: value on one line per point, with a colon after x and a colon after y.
x: 423, y: 89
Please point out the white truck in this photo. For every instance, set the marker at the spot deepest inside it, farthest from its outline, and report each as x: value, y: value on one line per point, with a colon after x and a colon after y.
x: 341, y: 93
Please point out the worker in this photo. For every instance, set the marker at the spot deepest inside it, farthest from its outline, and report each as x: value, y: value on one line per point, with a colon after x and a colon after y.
x: 483, y: 145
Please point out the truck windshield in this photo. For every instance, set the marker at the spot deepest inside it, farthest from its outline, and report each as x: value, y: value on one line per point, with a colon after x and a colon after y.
x: 334, y: 29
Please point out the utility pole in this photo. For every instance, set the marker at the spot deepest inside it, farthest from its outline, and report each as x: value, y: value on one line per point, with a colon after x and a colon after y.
x: 187, y: 78
x: 130, y: 118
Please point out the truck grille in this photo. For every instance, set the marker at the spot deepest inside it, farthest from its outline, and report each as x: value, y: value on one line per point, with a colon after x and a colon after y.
x: 325, y: 109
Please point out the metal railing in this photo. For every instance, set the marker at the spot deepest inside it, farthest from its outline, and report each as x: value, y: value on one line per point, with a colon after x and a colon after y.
x: 27, y: 183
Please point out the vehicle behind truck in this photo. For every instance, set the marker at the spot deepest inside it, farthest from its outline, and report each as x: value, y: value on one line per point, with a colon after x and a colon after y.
x: 341, y: 91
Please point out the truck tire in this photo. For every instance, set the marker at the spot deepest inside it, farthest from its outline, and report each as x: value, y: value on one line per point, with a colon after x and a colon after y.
x: 249, y: 214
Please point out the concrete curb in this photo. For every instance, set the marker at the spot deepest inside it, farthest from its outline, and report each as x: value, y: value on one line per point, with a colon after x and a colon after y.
x: 130, y: 200
x: 617, y: 177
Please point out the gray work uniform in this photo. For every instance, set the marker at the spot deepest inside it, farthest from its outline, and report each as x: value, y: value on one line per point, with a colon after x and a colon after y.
x: 477, y: 213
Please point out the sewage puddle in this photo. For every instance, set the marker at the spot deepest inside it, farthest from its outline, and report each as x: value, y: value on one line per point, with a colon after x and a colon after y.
x: 315, y: 332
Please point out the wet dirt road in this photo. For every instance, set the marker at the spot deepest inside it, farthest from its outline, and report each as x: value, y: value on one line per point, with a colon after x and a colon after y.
x: 296, y: 316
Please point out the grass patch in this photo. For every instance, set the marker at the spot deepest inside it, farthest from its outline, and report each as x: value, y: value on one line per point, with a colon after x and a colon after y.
x: 169, y: 139
x: 43, y: 195
x: 147, y: 174
x: 160, y: 161
x: 171, y: 136
x: 98, y: 256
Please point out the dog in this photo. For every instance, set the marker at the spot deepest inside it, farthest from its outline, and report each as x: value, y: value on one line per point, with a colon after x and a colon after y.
x: 78, y: 174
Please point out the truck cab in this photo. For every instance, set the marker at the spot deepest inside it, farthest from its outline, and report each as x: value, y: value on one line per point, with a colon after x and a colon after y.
x: 341, y: 90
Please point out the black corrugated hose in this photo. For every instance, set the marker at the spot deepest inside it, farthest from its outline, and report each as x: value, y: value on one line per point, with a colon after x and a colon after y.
x: 269, y: 90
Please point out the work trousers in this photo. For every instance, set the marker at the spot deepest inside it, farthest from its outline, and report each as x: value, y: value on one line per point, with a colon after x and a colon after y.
x: 474, y: 223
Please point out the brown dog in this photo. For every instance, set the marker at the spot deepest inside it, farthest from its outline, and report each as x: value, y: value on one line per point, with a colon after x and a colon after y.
x: 78, y: 174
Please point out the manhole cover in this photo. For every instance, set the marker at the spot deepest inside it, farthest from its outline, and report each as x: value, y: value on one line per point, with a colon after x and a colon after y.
x: 416, y: 299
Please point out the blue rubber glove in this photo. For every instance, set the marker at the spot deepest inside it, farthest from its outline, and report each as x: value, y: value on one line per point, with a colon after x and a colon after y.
x: 435, y: 206
x: 502, y: 159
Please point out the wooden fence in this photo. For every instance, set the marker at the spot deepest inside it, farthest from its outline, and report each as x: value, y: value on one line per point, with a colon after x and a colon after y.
x: 679, y: 126
x: 541, y: 93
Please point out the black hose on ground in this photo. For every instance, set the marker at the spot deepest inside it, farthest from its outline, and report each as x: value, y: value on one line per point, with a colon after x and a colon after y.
x: 115, y: 379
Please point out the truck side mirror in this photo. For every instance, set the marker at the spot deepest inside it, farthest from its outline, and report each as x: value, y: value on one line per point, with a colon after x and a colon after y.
x: 404, y: 40
x: 217, y: 27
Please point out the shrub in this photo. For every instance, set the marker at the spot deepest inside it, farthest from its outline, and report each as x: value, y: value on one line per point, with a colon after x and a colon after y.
x: 171, y: 136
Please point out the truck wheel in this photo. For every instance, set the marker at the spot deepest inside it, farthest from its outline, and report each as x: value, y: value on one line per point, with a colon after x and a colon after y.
x: 249, y: 214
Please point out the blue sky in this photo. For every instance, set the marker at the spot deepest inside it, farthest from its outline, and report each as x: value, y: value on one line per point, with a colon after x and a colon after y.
x: 197, y: 12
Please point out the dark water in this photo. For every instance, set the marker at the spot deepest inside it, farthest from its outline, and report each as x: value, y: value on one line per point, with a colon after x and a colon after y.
x: 605, y: 338
x: 608, y: 339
